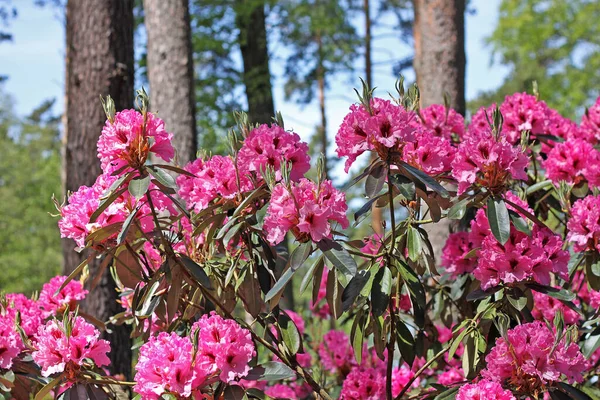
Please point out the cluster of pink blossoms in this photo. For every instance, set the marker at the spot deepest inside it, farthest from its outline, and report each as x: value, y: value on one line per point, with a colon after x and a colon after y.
x: 58, y: 351
x: 54, y: 303
x: 391, y: 131
x: 590, y: 123
x: 307, y: 210
x: 10, y: 342
x: 573, y: 161
x: 270, y: 146
x: 486, y: 162
x: 169, y: 363
x: 522, y: 257
x: 128, y: 140
x: 547, y: 307
x: 524, y: 112
x: 484, y: 389
x: 584, y: 224
x: 531, y: 360
x: 444, y: 122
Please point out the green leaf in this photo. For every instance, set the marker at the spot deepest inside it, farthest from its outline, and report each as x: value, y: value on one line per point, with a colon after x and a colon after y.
x: 457, y: 341
x: 163, y: 177
x: 413, y: 242
x: 519, y: 223
x: 363, y: 212
x: 380, y: 293
x: 573, y: 392
x: 416, y: 290
x: 375, y: 181
x: 270, y: 371
x: 126, y: 225
x: 449, y: 394
x: 559, y: 294
x: 405, y: 186
x: 334, y: 294
x: 353, y: 289
x: 234, y: 392
x: 480, y: 294
x: 48, y: 388
x: 196, y: 271
x: 310, y: 273
x: 406, y: 342
x: 497, y: 215
x: 289, y: 333
x: 105, y: 202
x: 339, y: 257
x: 252, y: 197
x: 139, y: 186
x: 425, y: 179
x: 297, y: 258
x: 591, y: 343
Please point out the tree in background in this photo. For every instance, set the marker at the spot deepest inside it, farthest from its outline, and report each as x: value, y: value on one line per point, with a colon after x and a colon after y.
x: 440, y: 61
x: 250, y: 20
x: 30, y: 247
x: 99, y: 62
x: 554, y: 42
x: 322, y: 42
x: 171, y: 72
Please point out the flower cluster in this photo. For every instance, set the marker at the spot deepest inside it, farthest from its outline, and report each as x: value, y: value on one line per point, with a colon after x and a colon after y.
x: 457, y: 247
x: 573, y: 161
x: 10, y: 342
x: 484, y: 389
x: 54, y: 302
x: 305, y: 209
x: 488, y: 162
x: 590, y: 123
x: 270, y: 146
x: 128, y: 140
x: 444, y: 122
x: 547, y: 307
x: 584, y: 224
x: 523, y: 112
x: 64, y: 346
x: 169, y: 363
x: 531, y: 359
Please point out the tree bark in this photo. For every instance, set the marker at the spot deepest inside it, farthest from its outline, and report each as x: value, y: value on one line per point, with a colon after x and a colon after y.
x: 99, y: 62
x: 171, y: 72
x: 250, y: 20
x: 439, y: 34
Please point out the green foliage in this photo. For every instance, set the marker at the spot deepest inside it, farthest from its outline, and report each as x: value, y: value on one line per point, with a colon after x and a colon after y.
x: 30, y: 252
x: 554, y: 42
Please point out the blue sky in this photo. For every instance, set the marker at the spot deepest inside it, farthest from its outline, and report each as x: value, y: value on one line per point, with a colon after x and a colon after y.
x: 34, y: 63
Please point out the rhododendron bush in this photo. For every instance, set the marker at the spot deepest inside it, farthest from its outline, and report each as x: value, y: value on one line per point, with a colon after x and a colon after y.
x: 508, y: 309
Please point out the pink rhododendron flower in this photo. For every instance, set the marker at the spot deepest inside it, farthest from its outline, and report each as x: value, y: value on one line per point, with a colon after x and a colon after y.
x: 280, y: 391
x: 400, y: 378
x: 573, y: 161
x: 165, y: 365
x: 29, y: 310
x: 55, y: 303
x: 590, y: 123
x: 443, y: 122
x: 337, y: 355
x: 531, y: 359
x: 584, y: 292
x: 489, y: 163
x: 584, y: 224
x: 225, y: 346
x: 479, y: 126
x: 363, y: 384
x: 547, y: 307
x: 269, y: 146
x: 429, y: 153
x: 484, y: 389
x: 128, y: 142
x: 57, y: 352
x: 214, y: 178
x: 451, y: 376
x: 308, y: 211
x: 456, y: 248
x: 10, y: 342
x: 523, y: 112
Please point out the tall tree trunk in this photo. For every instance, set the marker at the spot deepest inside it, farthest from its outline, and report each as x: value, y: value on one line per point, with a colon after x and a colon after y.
x: 99, y: 62
x: 321, y: 94
x: 376, y: 212
x: 250, y: 20
x: 171, y: 72
x: 439, y: 33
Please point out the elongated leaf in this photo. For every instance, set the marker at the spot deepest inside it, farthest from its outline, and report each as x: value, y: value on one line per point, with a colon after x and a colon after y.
x: 380, y: 293
x: 480, y: 294
x: 334, y: 294
x: 339, y: 257
x: 353, y: 289
x: 48, y: 388
x: 300, y: 255
x: 406, y: 342
x: 289, y: 333
x: 363, y: 212
x: 103, y: 204
x: 270, y: 371
x: 519, y: 223
x: 573, y: 392
x: 497, y: 214
x: 234, y: 392
x: 163, y: 177
x: 357, y: 336
x: 126, y: 225
x: 252, y: 197
x: 196, y: 271
x: 139, y: 186
x: 280, y: 284
x: 174, y: 169
x: 459, y: 209
x: 413, y: 242
x: 375, y: 181
x: 311, y: 271
x: 405, y: 186
x: 449, y: 394
x: 457, y: 341
x: 426, y: 180
x: 559, y: 294
x: 416, y: 290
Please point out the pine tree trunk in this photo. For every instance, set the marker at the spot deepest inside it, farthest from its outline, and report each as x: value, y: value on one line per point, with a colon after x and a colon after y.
x: 439, y: 33
x: 171, y: 72
x: 250, y: 20
x: 99, y: 62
